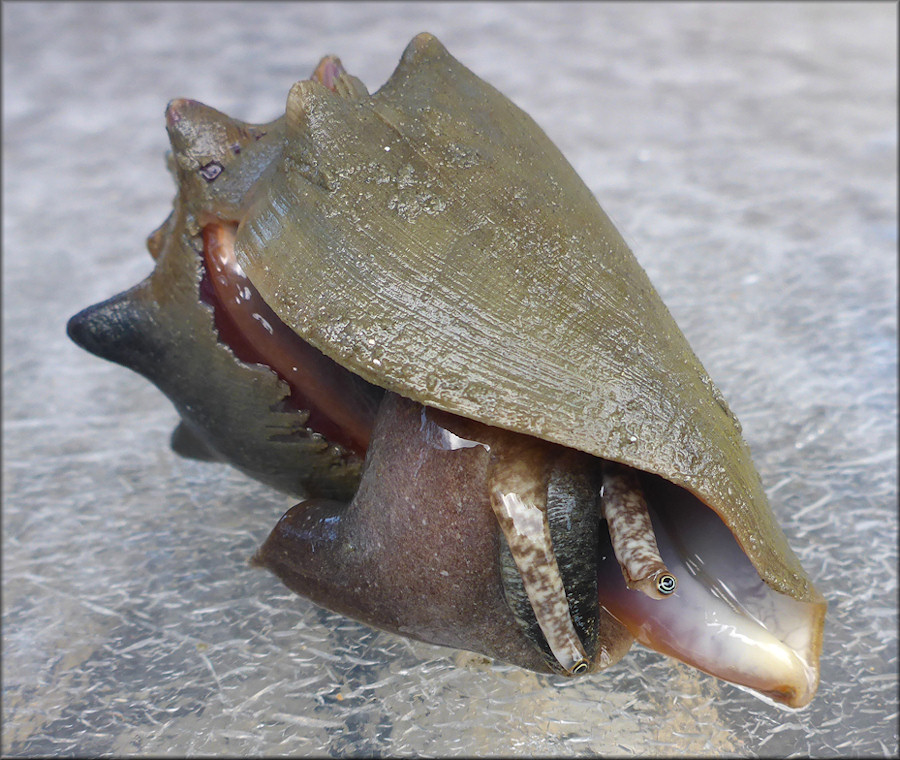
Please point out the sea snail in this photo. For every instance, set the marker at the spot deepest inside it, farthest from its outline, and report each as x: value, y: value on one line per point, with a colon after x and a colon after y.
x: 408, y: 310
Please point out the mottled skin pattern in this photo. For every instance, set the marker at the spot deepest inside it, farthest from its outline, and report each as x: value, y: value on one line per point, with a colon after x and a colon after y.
x: 630, y: 529
x: 518, y: 481
x: 408, y: 554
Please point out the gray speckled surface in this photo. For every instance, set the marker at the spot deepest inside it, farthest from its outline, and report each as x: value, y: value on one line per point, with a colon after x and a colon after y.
x: 749, y: 155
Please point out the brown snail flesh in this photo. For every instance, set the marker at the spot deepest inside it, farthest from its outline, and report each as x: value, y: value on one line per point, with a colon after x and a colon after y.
x: 407, y: 309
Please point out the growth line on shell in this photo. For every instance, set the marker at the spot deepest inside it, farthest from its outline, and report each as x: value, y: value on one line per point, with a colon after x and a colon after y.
x: 631, y: 532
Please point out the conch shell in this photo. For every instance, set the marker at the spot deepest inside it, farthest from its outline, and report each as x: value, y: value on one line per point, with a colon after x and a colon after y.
x: 408, y: 307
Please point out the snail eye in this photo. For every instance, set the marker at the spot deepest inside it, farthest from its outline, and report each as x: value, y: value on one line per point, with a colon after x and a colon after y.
x: 580, y: 667
x: 666, y: 584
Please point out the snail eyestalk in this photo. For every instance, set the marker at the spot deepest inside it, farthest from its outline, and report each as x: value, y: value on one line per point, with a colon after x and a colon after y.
x: 631, y: 533
x: 518, y: 491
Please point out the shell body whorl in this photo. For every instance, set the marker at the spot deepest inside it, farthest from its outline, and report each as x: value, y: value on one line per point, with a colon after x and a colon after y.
x: 433, y: 240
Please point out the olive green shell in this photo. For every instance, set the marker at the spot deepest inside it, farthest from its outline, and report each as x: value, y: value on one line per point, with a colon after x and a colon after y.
x: 231, y: 411
x: 433, y: 240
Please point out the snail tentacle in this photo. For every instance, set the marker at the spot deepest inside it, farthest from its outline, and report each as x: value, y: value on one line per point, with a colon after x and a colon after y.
x: 631, y: 533
x: 518, y: 489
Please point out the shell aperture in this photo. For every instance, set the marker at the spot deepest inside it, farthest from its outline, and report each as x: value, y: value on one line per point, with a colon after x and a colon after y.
x: 722, y: 618
x: 462, y: 314
x: 341, y: 406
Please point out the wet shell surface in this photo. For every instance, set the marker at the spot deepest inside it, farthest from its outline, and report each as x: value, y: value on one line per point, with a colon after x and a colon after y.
x: 409, y: 309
